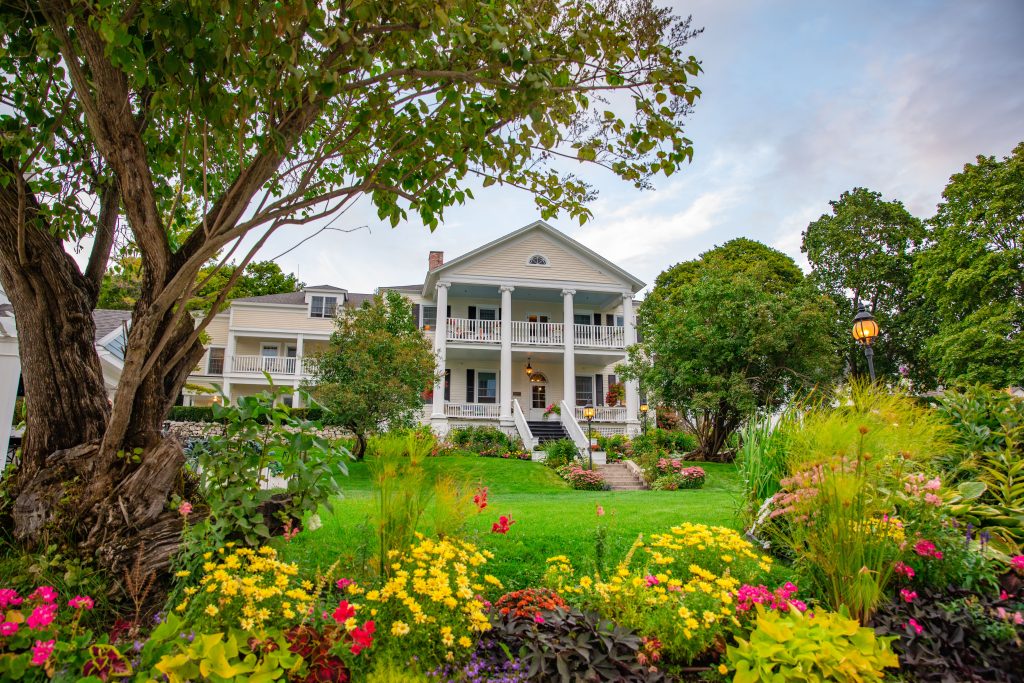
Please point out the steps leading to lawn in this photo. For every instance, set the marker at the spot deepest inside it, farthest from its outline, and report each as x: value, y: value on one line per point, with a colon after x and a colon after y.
x: 619, y: 477
x: 545, y: 431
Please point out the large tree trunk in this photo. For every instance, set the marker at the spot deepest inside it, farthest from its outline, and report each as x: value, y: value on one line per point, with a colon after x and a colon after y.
x: 66, y: 487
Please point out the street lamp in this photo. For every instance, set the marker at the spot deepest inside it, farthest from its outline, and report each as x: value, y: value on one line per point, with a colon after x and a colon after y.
x: 643, y: 415
x: 865, y: 331
x: 588, y: 415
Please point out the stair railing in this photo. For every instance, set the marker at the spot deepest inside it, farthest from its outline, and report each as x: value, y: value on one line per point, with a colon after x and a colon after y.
x: 573, y: 429
x: 523, y: 427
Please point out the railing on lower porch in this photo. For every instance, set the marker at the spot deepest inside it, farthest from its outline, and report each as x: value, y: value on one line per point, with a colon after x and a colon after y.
x: 573, y: 429
x: 604, y: 414
x: 522, y: 426
x: 483, y: 411
x: 275, y: 365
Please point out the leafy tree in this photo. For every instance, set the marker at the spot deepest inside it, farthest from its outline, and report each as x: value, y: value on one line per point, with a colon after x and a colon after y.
x: 376, y: 368
x: 122, y: 283
x: 738, y: 329
x: 198, y: 124
x: 972, y: 274
x: 863, y: 252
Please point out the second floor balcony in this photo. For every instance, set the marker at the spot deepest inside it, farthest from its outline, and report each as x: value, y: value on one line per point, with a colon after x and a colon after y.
x: 470, y: 331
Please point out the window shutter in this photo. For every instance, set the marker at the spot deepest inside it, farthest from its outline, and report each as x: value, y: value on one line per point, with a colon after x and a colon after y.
x: 470, y: 385
x: 448, y: 312
x: 472, y: 313
x: 416, y: 315
x: 597, y: 318
x: 447, y: 385
x: 599, y: 399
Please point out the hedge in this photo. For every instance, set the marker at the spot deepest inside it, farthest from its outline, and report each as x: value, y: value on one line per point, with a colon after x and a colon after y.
x: 205, y: 414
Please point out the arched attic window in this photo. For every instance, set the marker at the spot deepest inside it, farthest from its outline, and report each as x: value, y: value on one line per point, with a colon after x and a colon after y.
x: 537, y: 260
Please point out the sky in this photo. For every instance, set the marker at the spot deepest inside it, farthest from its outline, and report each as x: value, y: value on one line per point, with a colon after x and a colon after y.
x: 801, y: 102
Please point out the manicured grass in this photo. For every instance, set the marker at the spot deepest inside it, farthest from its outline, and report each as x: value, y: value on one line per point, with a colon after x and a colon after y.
x: 550, y: 518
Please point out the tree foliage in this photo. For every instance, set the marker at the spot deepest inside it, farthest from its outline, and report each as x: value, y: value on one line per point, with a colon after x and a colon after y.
x: 193, y: 125
x: 863, y: 252
x: 738, y: 329
x: 972, y: 273
x: 376, y: 368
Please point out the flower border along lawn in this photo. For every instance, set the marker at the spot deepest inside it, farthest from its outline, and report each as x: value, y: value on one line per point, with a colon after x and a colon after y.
x: 549, y: 517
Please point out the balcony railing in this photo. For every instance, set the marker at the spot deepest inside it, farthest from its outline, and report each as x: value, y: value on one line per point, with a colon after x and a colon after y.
x: 604, y: 414
x: 488, y: 411
x: 540, y: 334
x: 478, y: 331
x: 275, y: 365
x: 600, y: 336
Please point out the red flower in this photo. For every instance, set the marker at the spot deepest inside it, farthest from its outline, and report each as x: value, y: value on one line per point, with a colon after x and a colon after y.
x: 362, y: 638
x: 904, y: 569
x: 344, y: 612
x: 480, y: 499
x: 502, y: 525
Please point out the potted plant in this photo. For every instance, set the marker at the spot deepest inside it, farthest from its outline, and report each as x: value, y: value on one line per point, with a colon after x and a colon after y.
x: 553, y: 409
x: 616, y: 394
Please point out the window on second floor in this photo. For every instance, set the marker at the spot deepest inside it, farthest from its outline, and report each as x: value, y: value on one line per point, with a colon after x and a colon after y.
x: 323, y: 307
x: 429, y: 321
x: 215, y: 361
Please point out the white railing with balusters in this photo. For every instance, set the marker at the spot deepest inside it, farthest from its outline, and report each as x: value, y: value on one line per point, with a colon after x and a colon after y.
x: 477, y: 331
x: 541, y: 334
x: 573, y: 429
x: 600, y: 336
x: 275, y: 365
x: 525, y: 433
x: 488, y: 411
x: 605, y: 414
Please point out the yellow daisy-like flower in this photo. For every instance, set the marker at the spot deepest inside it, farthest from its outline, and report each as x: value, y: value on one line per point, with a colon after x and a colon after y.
x: 211, y: 610
x: 464, y: 641
x: 399, y: 628
x: 723, y: 669
x: 182, y: 573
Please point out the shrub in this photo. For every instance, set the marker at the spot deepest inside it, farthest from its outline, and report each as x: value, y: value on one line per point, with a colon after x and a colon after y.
x: 560, y: 452
x: 616, y: 446
x: 582, y: 479
x: 190, y: 414
x: 825, y: 646
x: 572, y: 645
x: 671, y: 475
x: 954, y: 635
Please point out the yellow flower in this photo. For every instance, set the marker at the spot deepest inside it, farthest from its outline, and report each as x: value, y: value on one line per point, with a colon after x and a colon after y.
x: 723, y: 669
x: 464, y: 641
x: 211, y: 610
x: 399, y: 628
x: 182, y: 606
x: 182, y: 573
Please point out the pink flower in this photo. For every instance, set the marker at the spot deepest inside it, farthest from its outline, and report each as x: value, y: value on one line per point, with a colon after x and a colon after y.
x: 41, y: 617
x: 342, y: 584
x: 904, y: 570
x: 8, y: 628
x: 41, y: 651
x: 80, y: 602
x: 538, y: 619
x: 44, y: 593
x: 924, y: 548
x: 185, y: 509
x: 916, y: 626
x: 503, y: 524
x: 480, y: 499
x: 908, y: 595
x: 9, y: 598
x: 1017, y: 562
x: 932, y: 499
x: 600, y: 511
x: 652, y: 580
x: 933, y: 485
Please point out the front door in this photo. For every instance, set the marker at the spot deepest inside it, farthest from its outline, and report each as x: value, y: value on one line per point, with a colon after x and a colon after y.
x: 538, y: 401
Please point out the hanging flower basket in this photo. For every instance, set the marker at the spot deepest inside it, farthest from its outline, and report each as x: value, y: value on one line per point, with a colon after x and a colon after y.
x: 553, y: 409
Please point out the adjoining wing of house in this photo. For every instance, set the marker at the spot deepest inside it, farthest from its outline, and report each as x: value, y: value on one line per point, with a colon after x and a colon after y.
x: 530, y: 320
x: 111, y: 341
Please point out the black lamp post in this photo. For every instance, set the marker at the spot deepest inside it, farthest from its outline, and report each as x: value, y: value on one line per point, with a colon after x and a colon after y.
x: 588, y: 415
x: 865, y: 331
x: 643, y: 415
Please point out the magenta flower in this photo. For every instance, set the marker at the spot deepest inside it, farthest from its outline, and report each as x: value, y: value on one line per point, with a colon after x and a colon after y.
x: 81, y: 602
x: 538, y: 619
x: 908, y: 595
x: 8, y: 628
x: 44, y: 593
x: 185, y: 509
x: 9, y: 598
x: 916, y: 626
x: 342, y: 584
x: 41, y: 617
x: 1017, y: 562
x: 904, y: 570
x: 652, y: 580
x: 41, y: 651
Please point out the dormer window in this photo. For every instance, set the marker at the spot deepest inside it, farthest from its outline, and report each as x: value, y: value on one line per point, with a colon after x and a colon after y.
x: 538, y: 260
x: 323, y: 306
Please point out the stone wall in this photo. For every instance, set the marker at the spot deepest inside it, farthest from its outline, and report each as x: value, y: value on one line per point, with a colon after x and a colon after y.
x: 196, y: 430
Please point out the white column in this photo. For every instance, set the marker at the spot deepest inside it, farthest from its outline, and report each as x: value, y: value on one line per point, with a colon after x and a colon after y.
x: 632, y: 386
x: 505, y: 375
x: 229, y: 362
x: 440, y: 352
x: 10, y: 373
x: 569, y: 357
x: 299, y: 351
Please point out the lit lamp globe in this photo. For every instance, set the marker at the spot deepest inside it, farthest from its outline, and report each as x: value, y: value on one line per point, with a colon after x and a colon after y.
x: 865, y: 331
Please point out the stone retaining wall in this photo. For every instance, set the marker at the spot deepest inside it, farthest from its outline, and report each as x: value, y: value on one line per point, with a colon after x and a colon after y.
x: 197, y: 430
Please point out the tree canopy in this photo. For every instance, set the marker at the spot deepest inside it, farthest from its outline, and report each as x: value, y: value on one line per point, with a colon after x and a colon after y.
x: 376, y: 369
x: 972, y: 273
x: 738, y: 329
x: 863, y: 252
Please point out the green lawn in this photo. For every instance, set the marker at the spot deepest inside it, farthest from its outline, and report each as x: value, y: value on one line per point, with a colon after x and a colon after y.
x: 550, y: 518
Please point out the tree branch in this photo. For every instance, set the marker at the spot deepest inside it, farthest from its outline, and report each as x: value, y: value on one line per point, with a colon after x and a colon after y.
x: 103, y: 242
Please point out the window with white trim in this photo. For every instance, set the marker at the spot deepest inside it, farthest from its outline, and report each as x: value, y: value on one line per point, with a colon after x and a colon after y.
x: 429, y: 315
x: 487, y: 387
x: 537, y: 260
x: 323, y: 306
x: 215, y: 361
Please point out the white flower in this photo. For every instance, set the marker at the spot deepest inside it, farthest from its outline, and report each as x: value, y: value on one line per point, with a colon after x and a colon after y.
x: 314, y: 522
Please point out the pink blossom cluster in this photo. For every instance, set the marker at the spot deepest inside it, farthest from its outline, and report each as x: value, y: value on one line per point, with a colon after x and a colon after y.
x: 801, y: 489
x: 903, y: 569
x: 43, y: 601
x: 919, y: 485
x: 1017, y: 562
x: 781, y: 599
x: 1012, y: 617
x: 926, y: 548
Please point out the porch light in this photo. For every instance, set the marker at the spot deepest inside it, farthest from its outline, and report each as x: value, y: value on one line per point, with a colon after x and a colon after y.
x: 529, y: 368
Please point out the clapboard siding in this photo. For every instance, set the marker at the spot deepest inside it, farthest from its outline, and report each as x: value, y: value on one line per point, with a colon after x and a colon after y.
x: 510, y: 260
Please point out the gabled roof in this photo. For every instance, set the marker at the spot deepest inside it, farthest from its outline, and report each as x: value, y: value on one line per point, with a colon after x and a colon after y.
x: 540, y: 226
x: 294, y: 298
x: 107, y: 320
x: 325, y: 288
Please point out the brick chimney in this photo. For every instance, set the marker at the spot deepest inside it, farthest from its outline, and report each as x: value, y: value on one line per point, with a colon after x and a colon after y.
x: 435, y: 260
